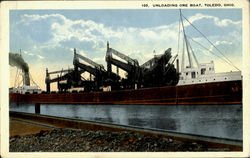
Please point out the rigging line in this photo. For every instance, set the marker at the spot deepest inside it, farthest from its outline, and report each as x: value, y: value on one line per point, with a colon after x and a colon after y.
x: 193, y: 53
x: 211, y: 51
x: 20, y: 82
x: 16, y: 76
x: 179, y: 35
x: 34, y: 81
x: 183, y: 56
x: 210, y: 42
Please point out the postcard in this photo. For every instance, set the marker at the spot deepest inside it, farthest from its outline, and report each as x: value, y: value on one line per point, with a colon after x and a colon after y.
x: 125, y: 78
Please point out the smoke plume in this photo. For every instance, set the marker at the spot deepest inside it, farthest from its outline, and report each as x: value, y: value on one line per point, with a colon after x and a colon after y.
x: 17, y: 60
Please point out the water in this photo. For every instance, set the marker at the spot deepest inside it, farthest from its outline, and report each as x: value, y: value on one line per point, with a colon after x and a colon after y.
x: 223, y: 121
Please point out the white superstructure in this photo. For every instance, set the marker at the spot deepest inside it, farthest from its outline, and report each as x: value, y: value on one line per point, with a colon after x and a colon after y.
x: 25, y: 89
x: 205, y: 73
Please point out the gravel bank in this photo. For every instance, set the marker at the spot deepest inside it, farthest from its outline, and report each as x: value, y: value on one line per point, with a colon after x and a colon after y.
x: 68, y: 140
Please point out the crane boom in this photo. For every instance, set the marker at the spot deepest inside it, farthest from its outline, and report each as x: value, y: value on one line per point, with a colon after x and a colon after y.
x: 61, y: 78
x: 60, y: 71
x: 87, y: 68
x: 65, y: 76
x: 131, y: 67
x: 153, y: 61
x: 98, y: 66
x: 132, y: 63
x: 148, y: 63
x: 124, y: 57
x: 122, y: 65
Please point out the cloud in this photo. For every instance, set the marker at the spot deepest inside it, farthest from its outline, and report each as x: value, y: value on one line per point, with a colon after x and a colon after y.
x: 82, y: 53
x: 89, y: 31
x: 100, y: 60
x: 26, y: 19
x: 25, y: 52
x: 32, y: 54
x: 54, y: 36
x: 223, y: 42
x: 218, y: 43
x: 216, y: 20
x: 41, y: 57
x: 89, y: 37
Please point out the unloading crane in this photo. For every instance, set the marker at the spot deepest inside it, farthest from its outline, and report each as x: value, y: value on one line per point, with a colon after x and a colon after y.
x: 48, y: 80
x: 101, y: 76
x: 158, y: 71
x: 62, y: 75
x: 131, y: 67
x: 97, y: 66
x: 158, y: 61
x: 93, y: 68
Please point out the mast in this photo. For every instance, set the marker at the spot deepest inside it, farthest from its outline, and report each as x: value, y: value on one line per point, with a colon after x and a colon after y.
x: 195, y: 59
x: 228, y: 61
x: 185, y: 39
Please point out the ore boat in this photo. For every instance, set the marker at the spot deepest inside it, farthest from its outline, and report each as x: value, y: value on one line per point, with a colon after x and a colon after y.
x: 156, y: 82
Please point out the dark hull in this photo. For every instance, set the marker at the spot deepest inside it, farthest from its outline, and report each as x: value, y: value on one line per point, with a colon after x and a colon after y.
x: 229, y: 92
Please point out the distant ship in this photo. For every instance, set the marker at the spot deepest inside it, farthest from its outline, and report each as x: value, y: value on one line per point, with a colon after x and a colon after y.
x: 17, y: 61
x: 25, y: 89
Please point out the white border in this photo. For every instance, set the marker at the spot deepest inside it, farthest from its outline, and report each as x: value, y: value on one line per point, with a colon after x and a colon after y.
x: 4, y: 70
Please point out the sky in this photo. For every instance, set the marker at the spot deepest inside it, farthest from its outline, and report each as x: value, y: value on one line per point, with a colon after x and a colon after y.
x: 47, y: 38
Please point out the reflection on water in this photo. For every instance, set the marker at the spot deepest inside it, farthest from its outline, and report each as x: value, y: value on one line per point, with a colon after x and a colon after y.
x: 219, y: 121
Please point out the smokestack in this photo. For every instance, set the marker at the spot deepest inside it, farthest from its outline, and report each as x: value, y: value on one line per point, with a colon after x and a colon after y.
x: 26, y: 77
x: 177, y: 65
x: 17, y: 60
x: 47, y: 80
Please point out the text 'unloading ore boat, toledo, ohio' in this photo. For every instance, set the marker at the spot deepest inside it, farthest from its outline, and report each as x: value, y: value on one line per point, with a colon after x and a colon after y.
x: 155, y: 82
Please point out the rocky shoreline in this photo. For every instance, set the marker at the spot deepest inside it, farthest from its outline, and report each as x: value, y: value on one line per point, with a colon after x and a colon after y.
x: 70, y: 140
